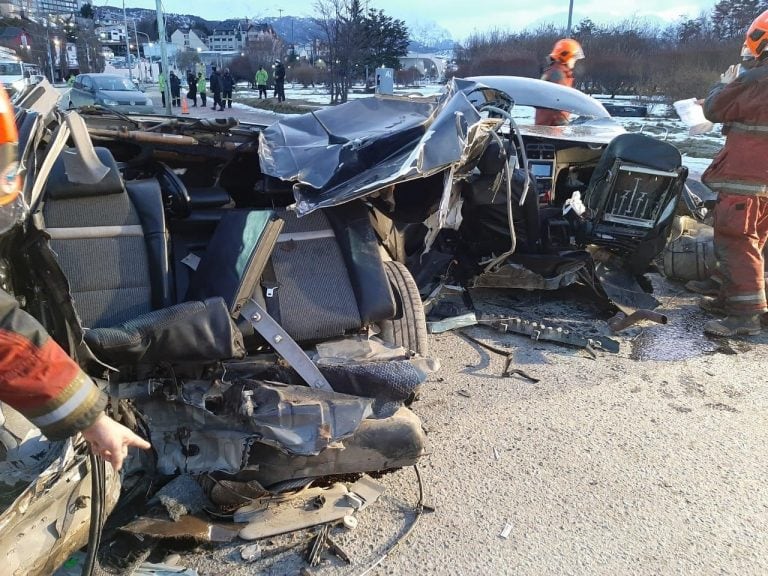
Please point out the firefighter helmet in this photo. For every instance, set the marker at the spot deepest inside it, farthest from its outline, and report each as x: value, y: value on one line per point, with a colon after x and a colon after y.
x: 757, y: 35
x: 565, y: 50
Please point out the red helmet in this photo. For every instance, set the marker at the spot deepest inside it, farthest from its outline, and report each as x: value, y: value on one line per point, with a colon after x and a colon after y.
x: 566, y: 49
x: 757, y: 35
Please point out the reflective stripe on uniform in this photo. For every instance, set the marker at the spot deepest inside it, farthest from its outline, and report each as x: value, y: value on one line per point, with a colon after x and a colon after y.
x: 755, y: 297
x: 736, y: 188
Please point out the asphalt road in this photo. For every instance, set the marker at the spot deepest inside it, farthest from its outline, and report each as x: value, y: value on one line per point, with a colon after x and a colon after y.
x: 651, y: 461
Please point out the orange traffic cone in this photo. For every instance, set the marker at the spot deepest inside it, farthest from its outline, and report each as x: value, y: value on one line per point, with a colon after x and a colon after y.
x: 184, y: 107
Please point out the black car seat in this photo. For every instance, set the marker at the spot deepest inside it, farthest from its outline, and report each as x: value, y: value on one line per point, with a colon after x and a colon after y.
x: 111, y: 243
x: 632, y: 197
x: 326, y: 275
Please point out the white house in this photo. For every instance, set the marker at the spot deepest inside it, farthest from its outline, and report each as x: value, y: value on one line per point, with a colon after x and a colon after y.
x: 188, y: 39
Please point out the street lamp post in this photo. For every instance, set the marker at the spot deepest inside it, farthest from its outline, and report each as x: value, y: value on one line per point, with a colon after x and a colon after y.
x: 48, y: 52
x: 570, y: 17
x: 127, y: 45
x: 163, y: 54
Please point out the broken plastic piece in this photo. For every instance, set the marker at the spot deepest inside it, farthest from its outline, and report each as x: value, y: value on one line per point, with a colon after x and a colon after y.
x: 289, y: 517
x: 250, y: 552
x: 355, y: 500
x: 506, y: 531
x: 439, y: 326
x: 188, y: 527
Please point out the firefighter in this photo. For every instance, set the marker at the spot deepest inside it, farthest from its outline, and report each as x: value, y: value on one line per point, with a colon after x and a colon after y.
x: 739, y: 175
x: 562, y: 60
x: 37, y: 377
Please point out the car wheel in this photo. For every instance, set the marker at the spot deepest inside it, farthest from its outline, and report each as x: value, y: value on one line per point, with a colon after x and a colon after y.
x: 409, y: 326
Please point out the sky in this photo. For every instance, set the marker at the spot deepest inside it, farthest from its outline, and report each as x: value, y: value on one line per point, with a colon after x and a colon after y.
x: 452, y: 15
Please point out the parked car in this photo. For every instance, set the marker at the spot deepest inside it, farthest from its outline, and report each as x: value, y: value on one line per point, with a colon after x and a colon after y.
x: 108, y: 90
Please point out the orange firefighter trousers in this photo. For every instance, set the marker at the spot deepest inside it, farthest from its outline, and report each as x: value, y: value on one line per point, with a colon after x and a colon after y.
x: 741, y: 231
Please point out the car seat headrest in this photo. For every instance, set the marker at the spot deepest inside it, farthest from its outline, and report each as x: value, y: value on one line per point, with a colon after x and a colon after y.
x: 492, y: 160
x: 59, y: 186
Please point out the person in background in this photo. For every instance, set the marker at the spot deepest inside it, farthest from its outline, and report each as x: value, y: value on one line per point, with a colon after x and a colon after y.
x: 261, y: 82
x: 175, y: 82
x: 279, y: 77
x: 192, y: 87
x: 71, y: 79
x: 215, y: 82
x: 161, y: 85
x: 201, y: 88
x: 739, y: 175
x: 562, y: 60
x: 227, y: 84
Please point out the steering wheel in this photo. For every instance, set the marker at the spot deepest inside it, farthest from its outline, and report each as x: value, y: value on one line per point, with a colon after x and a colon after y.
x: 175, y: 196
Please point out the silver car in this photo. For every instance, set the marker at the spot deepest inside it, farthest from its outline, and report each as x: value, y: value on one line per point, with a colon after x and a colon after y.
x: 108, y: 90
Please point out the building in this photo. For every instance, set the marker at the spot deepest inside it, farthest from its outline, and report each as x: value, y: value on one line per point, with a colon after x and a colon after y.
x: 17, y: 39
x: 229, y: 38
x: 10, y: 8
x: 47, y: 7
x: 188, y: 39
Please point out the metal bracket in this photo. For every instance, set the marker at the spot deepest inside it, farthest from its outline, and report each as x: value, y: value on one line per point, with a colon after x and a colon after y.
x: 283, y: 344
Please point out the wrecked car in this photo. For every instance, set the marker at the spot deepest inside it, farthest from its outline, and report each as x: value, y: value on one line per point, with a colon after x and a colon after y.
x: 249, y: 346
x: 250, y: 297
x: 460, y: 192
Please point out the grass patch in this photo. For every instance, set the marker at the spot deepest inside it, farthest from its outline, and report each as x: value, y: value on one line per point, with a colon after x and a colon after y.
x: 287, y: 107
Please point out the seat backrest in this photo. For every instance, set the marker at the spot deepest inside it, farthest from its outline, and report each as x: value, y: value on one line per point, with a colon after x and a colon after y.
x: 98, y: 235
x: 633, y: 177
x: 632, y: 197
x: 235, y: 257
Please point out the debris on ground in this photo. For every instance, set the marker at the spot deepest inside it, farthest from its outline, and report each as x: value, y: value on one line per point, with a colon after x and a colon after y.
x: 182, y: 496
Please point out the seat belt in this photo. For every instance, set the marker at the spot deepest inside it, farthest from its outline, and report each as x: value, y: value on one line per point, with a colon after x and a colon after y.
x: 270, y: 284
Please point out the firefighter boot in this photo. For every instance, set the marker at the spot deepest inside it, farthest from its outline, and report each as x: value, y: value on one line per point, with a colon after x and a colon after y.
x: 708, y: 287
x: 748, y: 325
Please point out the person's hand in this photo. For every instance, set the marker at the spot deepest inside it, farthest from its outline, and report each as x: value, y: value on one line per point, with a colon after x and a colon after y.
x: 730, y: 75
x: 111, y: 440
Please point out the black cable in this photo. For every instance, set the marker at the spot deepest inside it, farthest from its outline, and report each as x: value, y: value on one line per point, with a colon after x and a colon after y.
x: 418, y: 511
x: 98, y: 490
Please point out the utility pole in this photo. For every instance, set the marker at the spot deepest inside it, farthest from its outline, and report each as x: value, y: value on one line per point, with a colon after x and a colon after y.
x: 127, y: 45
x: 570, y: 18
x: 138, y: 51
x: 164, y: 55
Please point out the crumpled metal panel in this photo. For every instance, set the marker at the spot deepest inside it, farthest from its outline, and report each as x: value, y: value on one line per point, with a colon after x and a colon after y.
x: 294, y: 419
x: 373, y: 143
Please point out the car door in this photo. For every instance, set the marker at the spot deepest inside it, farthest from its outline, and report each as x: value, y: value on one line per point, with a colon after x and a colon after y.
x: 82, y: 91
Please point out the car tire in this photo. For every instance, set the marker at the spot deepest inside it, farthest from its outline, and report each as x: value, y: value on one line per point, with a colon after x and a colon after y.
x: 409, y: 326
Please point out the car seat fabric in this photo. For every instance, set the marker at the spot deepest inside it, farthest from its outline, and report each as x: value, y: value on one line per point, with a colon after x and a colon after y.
x: 98, y: 237
x: 314, y: 293
x: 360, y: 249
x: 186, y: 332
x: 147, y: 199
